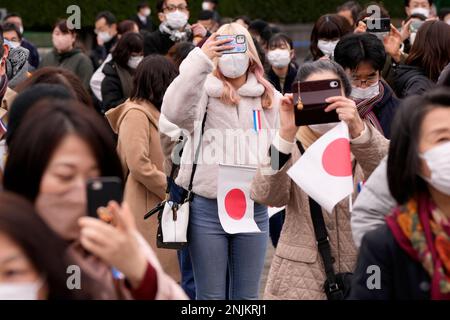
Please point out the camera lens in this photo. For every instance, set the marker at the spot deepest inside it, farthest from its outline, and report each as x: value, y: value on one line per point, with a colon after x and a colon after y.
x: 334, y: 84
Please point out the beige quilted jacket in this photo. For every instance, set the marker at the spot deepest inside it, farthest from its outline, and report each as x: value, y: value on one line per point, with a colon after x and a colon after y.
x: 297, y: 270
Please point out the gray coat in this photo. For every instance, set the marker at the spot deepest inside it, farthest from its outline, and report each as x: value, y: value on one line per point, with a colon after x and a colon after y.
x: 372, y: 205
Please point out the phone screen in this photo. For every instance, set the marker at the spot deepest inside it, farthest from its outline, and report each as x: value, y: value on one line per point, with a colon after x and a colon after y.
x: 239, y: 42
x: 100, y: 191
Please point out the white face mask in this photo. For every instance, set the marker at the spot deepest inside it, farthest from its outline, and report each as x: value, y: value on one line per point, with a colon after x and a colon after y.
x: 447, y: 22
x: 134, y: 62
x: 279, y: 58
x: 438, y: 161
x: 207, y: 6
x: 234, y: 65
x: 422, y: 11
x: 323, y: 128
x: 105, y: 36
x: 327, y: 47
x: 177, y: 19
x: 20, y: 291
x: 367, y: 93
x: 147, y: 12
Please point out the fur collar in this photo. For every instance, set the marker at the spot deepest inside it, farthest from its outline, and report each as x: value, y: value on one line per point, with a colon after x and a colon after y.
x: 252, y: 88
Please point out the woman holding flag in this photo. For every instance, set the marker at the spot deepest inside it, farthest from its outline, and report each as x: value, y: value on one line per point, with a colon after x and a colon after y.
x: 223, y: 87
x: 298, y: 269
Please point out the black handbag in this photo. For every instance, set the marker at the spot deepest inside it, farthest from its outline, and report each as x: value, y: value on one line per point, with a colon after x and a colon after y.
x: 337, y: 286
x: 173, y: 217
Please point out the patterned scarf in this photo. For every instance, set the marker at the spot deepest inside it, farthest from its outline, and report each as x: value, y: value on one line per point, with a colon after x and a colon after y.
x: 423, y: 231
x: 365, y: 108
x: 175, y: 35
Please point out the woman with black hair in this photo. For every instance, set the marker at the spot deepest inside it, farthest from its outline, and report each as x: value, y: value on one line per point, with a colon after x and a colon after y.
x: 325, y: 35
x: 428, y: 57
x: 117, y: 85
x: 283, y: 68
x: 28, y: 269
x: 412, y: 249
x: 139, y: 147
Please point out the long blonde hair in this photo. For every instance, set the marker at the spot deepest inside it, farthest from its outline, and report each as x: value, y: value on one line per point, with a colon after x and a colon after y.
x: 230, y: 95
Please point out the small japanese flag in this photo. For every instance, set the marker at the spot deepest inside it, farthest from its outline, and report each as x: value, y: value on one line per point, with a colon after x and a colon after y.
x: 324, y: 172
x: 236, y: 209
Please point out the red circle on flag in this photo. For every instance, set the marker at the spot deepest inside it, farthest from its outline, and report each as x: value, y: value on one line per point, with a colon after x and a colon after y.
x: 236, y: 204
x: 336, y: 158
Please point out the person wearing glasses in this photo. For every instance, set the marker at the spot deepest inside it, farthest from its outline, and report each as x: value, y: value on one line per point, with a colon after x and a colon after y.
x: 174, y: 27
x: 362, y: 55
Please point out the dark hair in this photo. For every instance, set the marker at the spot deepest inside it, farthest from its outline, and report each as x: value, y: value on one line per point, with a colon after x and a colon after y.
x: 179, y: 52
x: 153, y: 76
x: 329, y: 26
x: 431, y: 49
x: 320, y: 66
x: 352, y: 6
x: 408, y: 1
x: 205, y: 15
x: 128, y: 44
x: 279, y: 39
x: 444, y: 78
x: 2, y: 50
x: 20, y: 222
x: 12, y: 15
x: 62, y: 25
x: 7, y: 26
x: 246, y: 19
x: 262, y: 28
x: 356, y: 48
x: 404, y: 164
x: 29, y: 97
x: 142, y: 4
x: 416, y: 16
x: 160, y: 5
x: 61, y: 76
x: 108, y: 16
x: 125, y: 27
x: 44, y: 127
x: 443, y: 13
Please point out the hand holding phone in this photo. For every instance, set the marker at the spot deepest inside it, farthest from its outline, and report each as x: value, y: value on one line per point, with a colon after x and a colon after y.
x: 310, y: 101
x: 100, y: 191
x: 214, y: 47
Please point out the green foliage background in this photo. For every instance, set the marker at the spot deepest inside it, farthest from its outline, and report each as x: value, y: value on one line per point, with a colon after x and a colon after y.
x: 41, y: 14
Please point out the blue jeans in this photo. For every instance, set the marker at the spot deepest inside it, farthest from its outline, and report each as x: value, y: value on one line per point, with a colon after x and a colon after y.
x: 177, y: 194
x: 214, y: 252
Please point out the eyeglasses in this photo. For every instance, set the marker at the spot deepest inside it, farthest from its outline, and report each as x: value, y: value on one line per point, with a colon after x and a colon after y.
x: 172, y: 8
x: 370, y: 81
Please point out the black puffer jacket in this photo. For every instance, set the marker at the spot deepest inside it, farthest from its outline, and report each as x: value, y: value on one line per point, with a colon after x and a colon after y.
x: 410, y: 80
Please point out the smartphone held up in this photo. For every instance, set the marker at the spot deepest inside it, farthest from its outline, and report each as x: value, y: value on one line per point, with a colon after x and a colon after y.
x: 238, y: 42
x: 100, y: 191
x: 310, y: 101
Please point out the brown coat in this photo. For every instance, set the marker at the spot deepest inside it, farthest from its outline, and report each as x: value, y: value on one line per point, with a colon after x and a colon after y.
x: 142, y: 159
x: 297, y: 270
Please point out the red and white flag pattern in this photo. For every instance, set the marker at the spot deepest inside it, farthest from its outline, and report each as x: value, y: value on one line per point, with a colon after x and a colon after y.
x: 236, y: 209
x: 324, y: 172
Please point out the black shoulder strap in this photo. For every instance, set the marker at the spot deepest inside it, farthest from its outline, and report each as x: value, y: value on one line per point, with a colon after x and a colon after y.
x: 197, y: 154
x: 323, y: 241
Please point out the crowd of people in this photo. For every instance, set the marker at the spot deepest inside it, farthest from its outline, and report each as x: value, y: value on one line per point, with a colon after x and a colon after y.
x: 165, y: 108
